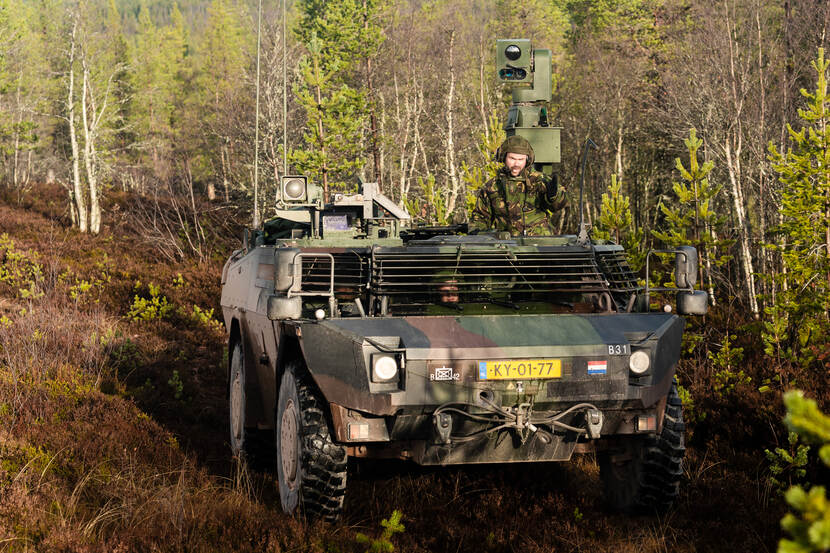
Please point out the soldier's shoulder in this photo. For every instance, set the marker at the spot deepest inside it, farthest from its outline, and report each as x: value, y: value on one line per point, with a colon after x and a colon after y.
x: 489, y: 186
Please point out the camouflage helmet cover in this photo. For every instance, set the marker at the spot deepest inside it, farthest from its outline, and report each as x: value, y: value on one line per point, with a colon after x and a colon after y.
x: 515, y: 145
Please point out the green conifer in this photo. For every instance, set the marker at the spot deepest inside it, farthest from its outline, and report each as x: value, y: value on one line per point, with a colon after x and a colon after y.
x: 692, y: 218
x: 804, y: 172
x: 809, y: 526
x: 338, y: 36
x: 616, y: 223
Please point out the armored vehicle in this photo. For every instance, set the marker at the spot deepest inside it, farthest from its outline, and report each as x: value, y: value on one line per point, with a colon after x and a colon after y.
x: 354, y: 334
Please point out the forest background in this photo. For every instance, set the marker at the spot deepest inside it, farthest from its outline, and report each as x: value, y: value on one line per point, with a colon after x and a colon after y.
x: 158, y: 98
x: 710, y: 117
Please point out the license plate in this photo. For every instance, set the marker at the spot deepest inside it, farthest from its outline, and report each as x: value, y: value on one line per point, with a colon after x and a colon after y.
x: 520, y: 369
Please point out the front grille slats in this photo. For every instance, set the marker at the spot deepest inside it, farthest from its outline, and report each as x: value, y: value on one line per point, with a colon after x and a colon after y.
x: 414, y: 276
x: 418, y: 277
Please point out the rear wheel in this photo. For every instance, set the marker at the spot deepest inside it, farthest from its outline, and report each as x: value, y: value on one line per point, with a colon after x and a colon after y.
x: 237, y: 401
x: 646, y: 474
x: 311, y: 468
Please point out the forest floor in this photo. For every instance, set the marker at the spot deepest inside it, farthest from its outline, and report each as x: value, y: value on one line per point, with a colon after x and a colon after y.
x: 113, y: 428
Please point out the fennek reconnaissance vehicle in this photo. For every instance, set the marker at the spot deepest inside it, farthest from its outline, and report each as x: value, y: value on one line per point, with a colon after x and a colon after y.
x: 354, y: 334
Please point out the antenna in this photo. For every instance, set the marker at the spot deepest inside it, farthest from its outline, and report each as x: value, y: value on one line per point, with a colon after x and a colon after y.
x: 582, y: 239
x: 284, y: 99
x: 256, y: 124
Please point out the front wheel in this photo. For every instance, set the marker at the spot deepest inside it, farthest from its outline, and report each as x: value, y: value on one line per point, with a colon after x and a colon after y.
x: 646, y: 474
x: 311, y: 468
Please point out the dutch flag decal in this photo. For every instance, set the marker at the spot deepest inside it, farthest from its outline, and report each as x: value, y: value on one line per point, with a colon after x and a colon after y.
x: 597, y: 367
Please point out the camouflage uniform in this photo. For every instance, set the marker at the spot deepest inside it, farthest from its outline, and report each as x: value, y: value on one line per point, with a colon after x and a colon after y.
x: 520, y: 204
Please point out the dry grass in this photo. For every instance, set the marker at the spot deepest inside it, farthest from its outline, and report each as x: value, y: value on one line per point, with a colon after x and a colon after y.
x: 99, y: 452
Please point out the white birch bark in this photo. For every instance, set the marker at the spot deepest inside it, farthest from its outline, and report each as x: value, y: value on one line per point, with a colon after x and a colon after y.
x: 89, y: 154
x: 78, y: 195
x: 452, y: 174
x: 762, y: 221
x: 733, y: 163
x: 16, y: 180
x: 733, y: 166
x: 482, y: 86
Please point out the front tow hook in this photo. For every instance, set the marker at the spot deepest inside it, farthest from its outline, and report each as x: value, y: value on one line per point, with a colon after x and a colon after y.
x: 594, y: 419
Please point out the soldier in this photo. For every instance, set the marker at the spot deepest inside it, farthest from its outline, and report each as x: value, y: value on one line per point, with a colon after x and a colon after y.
x: 518, y: 200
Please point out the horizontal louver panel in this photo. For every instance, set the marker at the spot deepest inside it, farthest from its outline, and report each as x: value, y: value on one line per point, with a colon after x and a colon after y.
x: 476, y: 272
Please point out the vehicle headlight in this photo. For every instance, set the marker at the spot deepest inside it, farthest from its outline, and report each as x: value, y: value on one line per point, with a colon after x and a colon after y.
x: 384, y: 368
x: 639, y: 362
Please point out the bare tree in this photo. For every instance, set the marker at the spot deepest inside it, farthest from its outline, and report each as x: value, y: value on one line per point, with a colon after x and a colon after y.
x: 77, y: 193
x: 452, y: 174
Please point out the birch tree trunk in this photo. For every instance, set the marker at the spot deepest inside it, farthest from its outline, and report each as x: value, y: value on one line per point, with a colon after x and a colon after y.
x: 419, y: 140
x: 78, y: 196
x: 450, y: 154
x: 404, y: 123
x: 226, y: 167
x: 619, y: 161
x: 733, y: 164
x: 321, y: 132
x: 89, y: 153
x: 762, y: 221
x: 373, y: 124
x: 16, y: 180
x: 482, y: 84
x: 381, y: 148
x: 788, y: 75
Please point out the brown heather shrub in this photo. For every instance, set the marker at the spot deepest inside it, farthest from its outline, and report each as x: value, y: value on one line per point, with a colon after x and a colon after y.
x: 83, y: 471
x: 98, y: 455
x: 51, y: 340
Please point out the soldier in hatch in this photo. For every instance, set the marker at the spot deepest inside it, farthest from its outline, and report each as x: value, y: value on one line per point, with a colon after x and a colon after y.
x: 518, y: 200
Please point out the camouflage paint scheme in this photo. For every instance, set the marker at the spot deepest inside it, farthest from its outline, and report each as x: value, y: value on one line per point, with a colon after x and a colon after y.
x: 337, y: 353
x: 352, y: 333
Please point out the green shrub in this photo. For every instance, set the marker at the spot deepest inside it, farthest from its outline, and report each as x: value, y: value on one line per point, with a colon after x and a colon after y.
x: 156, y: 307
x: 19, y: 271
x: 178, y: 281
x: 725, y: 362
x: 787, y: 464
x: 690, y: 411
x: 176, y: 385
x: 809, y: 525
x: 204, y: 317
x: 391, y: 526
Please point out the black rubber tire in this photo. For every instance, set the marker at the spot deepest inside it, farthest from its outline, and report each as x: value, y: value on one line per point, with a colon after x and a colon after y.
x: 240, y: 439
x: 649, y: 479
x: 311, y: 468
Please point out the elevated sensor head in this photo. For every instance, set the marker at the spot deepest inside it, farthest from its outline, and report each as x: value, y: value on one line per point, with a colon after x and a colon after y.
x: 514, y: 61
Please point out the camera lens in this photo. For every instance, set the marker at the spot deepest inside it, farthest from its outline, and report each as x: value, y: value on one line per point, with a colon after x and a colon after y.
x: 512, y: 52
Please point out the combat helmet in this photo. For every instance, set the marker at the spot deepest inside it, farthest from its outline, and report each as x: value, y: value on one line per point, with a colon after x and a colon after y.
x: 515, y: 145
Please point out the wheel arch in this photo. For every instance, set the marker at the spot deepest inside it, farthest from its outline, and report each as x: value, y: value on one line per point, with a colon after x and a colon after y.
x: 288, y: 353
x: 292, y: 352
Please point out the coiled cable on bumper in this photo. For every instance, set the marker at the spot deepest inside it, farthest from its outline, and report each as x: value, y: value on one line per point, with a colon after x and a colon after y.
x: 520, y: 418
